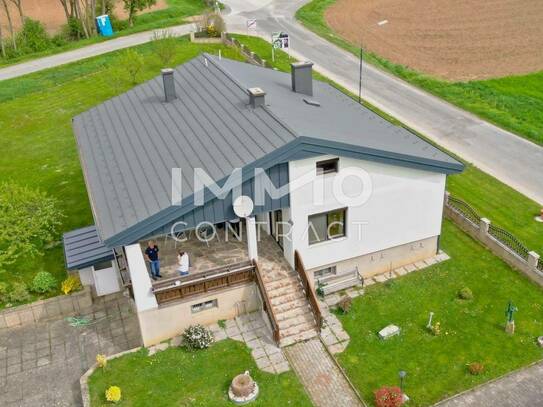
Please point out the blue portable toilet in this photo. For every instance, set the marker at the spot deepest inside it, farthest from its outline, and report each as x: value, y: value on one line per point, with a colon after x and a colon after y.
x: 103, y: 25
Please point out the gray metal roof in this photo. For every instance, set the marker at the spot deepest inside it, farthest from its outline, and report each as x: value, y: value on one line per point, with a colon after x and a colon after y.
x: 83, y: 248
x: 129, y: 144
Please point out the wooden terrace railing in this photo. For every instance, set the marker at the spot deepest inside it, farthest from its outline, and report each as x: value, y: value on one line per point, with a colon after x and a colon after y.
x: 177, y: 288
x: 309, y: 292
x: 267, y: 303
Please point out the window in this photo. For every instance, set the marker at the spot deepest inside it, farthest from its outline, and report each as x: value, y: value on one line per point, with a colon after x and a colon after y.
x: 103, y: 265
x: 327, y: 166
x: 202, y: 306
x: 326, y: 226
x: 328, y: 271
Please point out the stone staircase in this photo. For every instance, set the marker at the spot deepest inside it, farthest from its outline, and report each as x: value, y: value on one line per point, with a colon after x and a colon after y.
x: 288, y: 301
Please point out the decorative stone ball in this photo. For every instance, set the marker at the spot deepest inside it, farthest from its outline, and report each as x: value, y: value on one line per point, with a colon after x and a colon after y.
x: 540, y: 341
x: 242, y: 385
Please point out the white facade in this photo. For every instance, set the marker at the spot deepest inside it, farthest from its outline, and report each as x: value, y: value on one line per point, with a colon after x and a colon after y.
x: 405, y: 205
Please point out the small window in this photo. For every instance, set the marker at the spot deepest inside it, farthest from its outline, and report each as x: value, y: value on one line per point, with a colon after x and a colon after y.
x: 202, y: 306
x: 328, y: 271
x: 326, y: 226
x: 103, y: 265
x: 327, y: 166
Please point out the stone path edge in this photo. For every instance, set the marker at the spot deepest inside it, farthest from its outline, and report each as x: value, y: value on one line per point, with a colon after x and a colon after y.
x: 484, y: 384
x: 83, y: 382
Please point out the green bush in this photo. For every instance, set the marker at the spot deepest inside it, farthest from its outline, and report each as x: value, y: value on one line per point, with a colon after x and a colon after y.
x: 465, y: 294
x: 73, y: 30
x: 43, y: 282
x: 3, y: 292
x: 18, y: 293
x: 33, y: 37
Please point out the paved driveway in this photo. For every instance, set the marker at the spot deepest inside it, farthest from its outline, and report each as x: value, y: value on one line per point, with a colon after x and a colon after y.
x: 40, y: 365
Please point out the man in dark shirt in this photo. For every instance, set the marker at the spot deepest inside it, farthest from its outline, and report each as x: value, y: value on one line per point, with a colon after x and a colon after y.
x: 151, y: 253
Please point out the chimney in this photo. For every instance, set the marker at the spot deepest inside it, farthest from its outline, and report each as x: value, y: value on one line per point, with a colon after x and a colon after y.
x: 257, y: 97
x: 302, y: 80
x: 169, y: 84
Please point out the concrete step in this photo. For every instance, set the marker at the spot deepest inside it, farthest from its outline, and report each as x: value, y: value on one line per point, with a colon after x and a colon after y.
x: 283, y: 299
x: 297, y: 329
x: 306, y: 318
x: 304, y: 336
x: 275, y: 275
x: 294, y: 312
x: 285, y: 290
x: 272, y: 285
x: 290, y: 305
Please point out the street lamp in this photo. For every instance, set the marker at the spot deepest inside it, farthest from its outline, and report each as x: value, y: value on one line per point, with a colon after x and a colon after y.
x: 402, y: 375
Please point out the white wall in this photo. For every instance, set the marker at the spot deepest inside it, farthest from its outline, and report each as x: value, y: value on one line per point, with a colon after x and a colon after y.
x: 141, y: 282
x: 405, y: 206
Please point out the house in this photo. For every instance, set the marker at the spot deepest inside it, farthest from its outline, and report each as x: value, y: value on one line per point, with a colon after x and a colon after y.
x: 324, y: 193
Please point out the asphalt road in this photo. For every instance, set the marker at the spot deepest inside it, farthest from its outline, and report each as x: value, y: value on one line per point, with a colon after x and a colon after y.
x: 513, y: 160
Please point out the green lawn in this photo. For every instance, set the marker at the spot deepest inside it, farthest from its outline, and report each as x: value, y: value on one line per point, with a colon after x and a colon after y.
x: 471, y: 331
x: 39, y: 148
x: 176, y: 377
x: 514, y: 103
x: 175, y: 14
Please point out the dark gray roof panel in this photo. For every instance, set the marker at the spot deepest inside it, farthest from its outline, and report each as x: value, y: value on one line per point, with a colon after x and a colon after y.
x: 129, y: 144
x: 338, y: 118
x: 83, y: 248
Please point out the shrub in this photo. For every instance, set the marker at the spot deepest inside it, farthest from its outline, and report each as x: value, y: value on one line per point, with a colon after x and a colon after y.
x: 73, y: 30
x: 345, y: 304
x: 164, y: 45
x: 43, y: 282
x: 197, y: 337
x: 436, y: 329
x: 18, y: 293
x: 3, y: 292
x: 132, y: 61
x: 33, y: 37
x: 113, y: 394
x: 465, y: 294
x: 388, y: 397
x: 101, y: 361
x: 476, y: 368
x: 71, y: 284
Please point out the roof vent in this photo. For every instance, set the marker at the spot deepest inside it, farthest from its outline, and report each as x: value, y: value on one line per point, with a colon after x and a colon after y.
x: 257, y: 97
x: 169, y: 84
x: 302, y: 79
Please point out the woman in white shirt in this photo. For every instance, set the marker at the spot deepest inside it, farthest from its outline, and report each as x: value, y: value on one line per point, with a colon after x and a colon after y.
x: 183, y: 261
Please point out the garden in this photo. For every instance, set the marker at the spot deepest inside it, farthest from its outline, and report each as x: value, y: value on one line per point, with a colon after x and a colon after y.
x: 178, y: 376
x: 466, y: 343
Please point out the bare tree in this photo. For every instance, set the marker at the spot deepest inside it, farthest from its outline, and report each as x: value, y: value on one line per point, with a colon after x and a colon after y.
x: 19, y: 5
x: 2, y: 46
x: 10, y: 24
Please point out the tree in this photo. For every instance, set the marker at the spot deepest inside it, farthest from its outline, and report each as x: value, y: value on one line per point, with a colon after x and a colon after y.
x: 164, y: 45
x: 2, y: 46
x: 19, y: 5
x: 132, y: 61
x: 29, y: 219
x: 10, y: 25
x: 131, y: 6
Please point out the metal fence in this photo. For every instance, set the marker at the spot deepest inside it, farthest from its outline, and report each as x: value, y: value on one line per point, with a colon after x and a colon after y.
x: 509, y: 240
x: 503, y: 236
x: 465, y: 210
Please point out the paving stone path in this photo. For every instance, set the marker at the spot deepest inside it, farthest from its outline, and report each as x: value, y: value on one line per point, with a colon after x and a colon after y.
x: 519, y: 389
x: 320, y: 376
x: 40, y: 364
